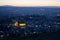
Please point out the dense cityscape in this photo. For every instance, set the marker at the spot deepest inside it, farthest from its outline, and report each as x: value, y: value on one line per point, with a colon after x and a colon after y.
x: 28, y: 26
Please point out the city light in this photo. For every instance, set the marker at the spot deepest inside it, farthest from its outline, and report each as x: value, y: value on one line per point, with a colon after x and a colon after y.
x: 22, y: 24
x: 19, y: 24
x: 16, y: 23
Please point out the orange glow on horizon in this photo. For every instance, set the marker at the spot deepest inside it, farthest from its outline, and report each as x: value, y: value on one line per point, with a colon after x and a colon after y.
x: 30, y: 4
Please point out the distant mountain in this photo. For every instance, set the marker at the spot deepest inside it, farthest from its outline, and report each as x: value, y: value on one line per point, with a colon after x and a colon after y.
x: 31, y: 6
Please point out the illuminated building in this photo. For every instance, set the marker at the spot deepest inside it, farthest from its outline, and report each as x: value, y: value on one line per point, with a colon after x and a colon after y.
x: 22, y: 25
x: 19, y: 24
x: 16, y: 23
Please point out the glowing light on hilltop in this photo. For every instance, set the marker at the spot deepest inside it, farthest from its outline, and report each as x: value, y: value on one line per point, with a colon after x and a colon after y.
x: 16, y: 23
x: 22, y: 25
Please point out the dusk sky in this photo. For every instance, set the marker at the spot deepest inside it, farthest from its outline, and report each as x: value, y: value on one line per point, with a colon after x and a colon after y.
x: 30, y: 2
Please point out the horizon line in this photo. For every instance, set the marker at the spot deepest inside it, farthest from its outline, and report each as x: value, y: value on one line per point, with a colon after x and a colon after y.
x: 22, y: 4
x: 30, y: 6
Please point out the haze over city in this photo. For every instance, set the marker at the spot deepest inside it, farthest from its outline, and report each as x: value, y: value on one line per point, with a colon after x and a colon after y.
x: 30, y: 2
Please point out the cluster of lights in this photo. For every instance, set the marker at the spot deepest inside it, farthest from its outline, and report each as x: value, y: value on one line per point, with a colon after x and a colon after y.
x: 22, y: 25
